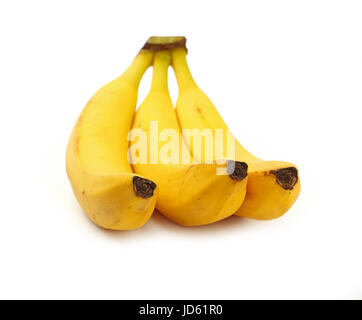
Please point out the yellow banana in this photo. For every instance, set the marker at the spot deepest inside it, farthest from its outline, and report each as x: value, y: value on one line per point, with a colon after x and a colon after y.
x: 96, y: 160
x: 189, y: 194
x: 273, y: 186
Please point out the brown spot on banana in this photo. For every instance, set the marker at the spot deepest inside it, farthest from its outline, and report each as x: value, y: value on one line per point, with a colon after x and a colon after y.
x: 143, y: 187
x: 237, y: 170
x: 287, y: 178
x: 76, y: 144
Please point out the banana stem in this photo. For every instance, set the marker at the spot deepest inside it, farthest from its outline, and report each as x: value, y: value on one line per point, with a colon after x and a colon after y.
x: 161, y: 63
x: 135, y: 71
x: 182, y: 71
x: 164, y: 43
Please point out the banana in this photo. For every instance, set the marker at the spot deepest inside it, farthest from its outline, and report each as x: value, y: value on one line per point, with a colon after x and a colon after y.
x: 101, y: 176
x: 273, y: 186
x: 189, y: 194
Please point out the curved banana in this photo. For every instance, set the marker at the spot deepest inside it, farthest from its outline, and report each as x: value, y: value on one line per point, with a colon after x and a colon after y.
x: 189, y: 194
x: 273, y: 186
x: 101, y: 176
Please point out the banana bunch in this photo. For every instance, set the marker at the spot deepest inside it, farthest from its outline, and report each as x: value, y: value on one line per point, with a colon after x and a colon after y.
x: 122, y: 163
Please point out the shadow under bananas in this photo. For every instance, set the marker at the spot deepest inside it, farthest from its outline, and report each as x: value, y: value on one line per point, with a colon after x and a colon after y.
x: 158, y: 221
x: 223, y: 226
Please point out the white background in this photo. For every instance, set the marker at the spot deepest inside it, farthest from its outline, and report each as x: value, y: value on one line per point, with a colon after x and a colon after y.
x: 287, y: 78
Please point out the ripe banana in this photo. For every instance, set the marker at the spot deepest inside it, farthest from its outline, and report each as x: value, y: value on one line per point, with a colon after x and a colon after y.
x: 96, y: 160
x: 189, y: 194
x: 273, y: 186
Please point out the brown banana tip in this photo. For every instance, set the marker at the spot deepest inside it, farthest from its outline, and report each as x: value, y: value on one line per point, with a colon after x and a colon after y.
x: 287, y: 178
x: 237, y: 170
x: 143, y: 187
x: 164, y: 43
